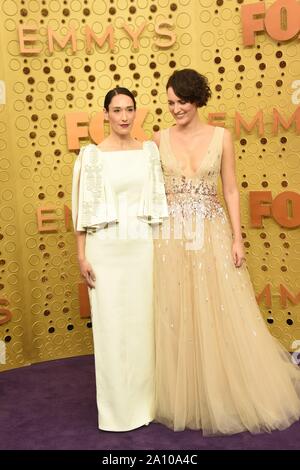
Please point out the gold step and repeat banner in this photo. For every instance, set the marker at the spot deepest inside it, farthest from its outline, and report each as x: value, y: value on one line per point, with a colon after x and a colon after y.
x: 58, y: 60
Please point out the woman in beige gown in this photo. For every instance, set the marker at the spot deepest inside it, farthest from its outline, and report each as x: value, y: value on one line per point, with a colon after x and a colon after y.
x: 217, y: 366
x: 118, y: 194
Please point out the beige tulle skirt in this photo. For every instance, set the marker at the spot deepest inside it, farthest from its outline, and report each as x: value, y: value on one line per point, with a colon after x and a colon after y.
x: 218, y: 368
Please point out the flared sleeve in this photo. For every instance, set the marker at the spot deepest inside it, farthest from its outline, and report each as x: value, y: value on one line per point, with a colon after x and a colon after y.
x: 93, y: 200
x: 153, y: 207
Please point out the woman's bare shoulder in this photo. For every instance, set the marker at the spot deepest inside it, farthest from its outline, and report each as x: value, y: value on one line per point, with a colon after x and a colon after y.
x: 156, y: 137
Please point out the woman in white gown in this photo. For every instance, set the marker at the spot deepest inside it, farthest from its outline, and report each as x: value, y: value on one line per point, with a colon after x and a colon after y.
x: 118, y: 193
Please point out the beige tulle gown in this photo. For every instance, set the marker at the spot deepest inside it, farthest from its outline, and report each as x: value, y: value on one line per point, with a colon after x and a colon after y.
x: 217, y: 366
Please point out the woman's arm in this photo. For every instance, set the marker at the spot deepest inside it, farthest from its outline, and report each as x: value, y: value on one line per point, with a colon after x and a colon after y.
x: 85, y: 267
x: 232, y: 197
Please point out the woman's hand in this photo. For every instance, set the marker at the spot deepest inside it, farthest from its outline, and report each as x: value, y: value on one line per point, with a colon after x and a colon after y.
x: 238, y: 253
x: 87, y: 273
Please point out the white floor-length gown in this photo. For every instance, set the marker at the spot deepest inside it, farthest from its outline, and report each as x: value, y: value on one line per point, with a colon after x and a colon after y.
x: 117, y: 196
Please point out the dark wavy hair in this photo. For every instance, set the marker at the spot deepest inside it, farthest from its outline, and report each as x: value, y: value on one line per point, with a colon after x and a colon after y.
x: 191, y: 86
x: 118, y: 91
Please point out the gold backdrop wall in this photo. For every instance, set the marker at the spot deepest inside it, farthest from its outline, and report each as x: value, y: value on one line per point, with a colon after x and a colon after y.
x: 39, y: 277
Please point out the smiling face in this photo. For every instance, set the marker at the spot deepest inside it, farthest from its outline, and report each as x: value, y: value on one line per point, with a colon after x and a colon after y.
x: 182, y: 111
x: 121, y: 114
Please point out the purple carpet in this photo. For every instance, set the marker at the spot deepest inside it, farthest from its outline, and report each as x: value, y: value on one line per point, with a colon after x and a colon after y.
x: 52, y: 406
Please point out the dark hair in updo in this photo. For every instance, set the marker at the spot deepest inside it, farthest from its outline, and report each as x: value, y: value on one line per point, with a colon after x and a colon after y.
x: 118, y: 91
x: 190, y: 86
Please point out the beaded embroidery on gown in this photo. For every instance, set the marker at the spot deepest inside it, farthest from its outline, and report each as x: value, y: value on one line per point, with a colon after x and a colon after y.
x: 218, y: 368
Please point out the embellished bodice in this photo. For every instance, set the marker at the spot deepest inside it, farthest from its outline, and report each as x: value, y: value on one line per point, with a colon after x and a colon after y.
x: 111, y: 187
x: 195, y: 193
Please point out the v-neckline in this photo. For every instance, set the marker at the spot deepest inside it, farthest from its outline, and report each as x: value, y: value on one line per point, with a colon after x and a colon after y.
x: 194, y: 173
